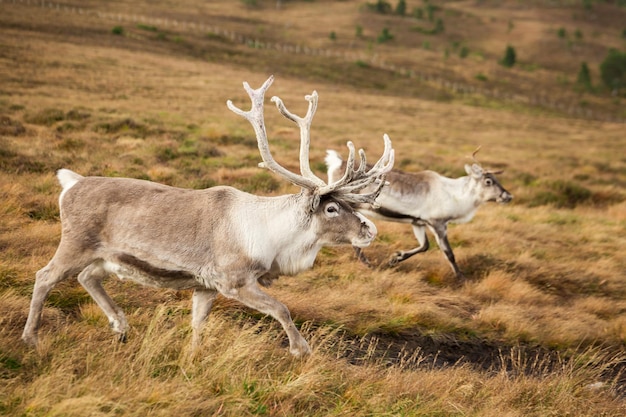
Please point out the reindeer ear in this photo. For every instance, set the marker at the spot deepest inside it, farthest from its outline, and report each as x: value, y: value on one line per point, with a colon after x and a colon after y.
x: 474, y: 170
x: 315, y: 201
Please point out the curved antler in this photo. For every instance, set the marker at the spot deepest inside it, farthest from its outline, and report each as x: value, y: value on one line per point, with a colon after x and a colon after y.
x: 487, y: 171
x: 474, y: 154
x: 353, y: 180
x: 255, y: 117
x: 304, y: 123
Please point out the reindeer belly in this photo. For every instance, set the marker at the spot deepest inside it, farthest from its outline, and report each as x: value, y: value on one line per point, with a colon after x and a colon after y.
x: 126, y: 266
x: 382, y: 213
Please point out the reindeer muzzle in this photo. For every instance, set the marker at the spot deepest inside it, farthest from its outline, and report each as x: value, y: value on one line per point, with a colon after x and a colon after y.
x: 505, y: 197
x: 367, y: 233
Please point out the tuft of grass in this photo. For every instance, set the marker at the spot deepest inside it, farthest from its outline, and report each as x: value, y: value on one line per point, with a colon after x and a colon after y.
x: 562, y: 194
x: 148, y: 28
x: 45, y: 212
x: 10, y: 127
x: 262, y: 182
x: 45, y: 117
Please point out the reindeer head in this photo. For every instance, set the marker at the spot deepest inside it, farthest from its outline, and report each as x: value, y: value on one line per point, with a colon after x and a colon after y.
x: 330, y: 215
x: 488, y: 187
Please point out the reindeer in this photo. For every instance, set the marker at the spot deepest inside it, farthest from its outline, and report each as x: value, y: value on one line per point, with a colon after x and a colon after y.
x: 215, y: 241
x: 427, y: 199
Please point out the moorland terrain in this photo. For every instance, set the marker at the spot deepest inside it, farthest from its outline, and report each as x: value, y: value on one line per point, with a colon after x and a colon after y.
x: 138, y: 89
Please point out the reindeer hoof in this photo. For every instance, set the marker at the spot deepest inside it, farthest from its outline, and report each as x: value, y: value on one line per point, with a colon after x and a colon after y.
x: 30, y: 340
x: 122, y: 338
x: 301, y: 349
x: 396, y: 259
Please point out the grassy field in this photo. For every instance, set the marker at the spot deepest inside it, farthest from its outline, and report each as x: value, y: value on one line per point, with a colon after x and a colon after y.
x: 138, y: 89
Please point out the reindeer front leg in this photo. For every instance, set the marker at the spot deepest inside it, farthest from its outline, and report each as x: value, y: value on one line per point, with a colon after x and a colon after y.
x: 202, y: 301
x: 361, y: 256
x: 252, y: 296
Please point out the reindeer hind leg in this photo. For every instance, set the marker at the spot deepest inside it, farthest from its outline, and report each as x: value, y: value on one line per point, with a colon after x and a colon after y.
x: 63, y: 265
x: 441, y: 235
x: 420, y: 234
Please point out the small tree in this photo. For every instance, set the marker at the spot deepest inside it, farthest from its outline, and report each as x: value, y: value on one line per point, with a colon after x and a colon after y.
x: 509, y: 57
x: 584, y: 77
x: 401, y: 7
x: 359, y: 31
x: 384, y: 36
x: 613, y: 70
x: 382, y: 6
x: 430, y: 12
x: 439, y: 26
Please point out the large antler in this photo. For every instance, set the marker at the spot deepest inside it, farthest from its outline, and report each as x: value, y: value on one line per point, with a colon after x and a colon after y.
x: 255, y: 117
x: 353, y: 179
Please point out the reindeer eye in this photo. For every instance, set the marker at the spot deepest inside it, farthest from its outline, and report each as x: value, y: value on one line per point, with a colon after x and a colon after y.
x: 488, y: 182
x: 332, y: 209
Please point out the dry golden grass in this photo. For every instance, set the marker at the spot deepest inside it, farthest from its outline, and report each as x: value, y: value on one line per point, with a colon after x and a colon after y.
x: 537, y: 330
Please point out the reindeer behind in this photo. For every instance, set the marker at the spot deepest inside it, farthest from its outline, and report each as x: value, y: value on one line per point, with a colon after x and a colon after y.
x: 214, y: 241
x: 427, y: 199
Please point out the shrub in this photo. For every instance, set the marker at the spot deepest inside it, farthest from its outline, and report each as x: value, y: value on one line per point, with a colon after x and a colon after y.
x: 562, y: 33
x: 118, y: 30
x: 464, y: 52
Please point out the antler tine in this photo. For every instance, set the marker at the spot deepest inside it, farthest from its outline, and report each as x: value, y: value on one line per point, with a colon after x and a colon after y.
x: 256, y: 119
x: 484, y: 170
x: 355, y: 180
x: 304, y: 123
x: 378, y: 172
x: 474, y: 154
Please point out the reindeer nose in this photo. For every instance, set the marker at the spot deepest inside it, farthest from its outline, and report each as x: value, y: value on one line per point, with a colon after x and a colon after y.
x: 506, y: 197
x: 368, y: 227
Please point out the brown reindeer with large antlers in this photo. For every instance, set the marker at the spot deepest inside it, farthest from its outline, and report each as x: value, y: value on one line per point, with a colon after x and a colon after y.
x: 217, y: 240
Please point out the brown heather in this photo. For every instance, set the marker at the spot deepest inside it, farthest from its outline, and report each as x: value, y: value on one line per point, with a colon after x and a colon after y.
x: 538, y: 329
